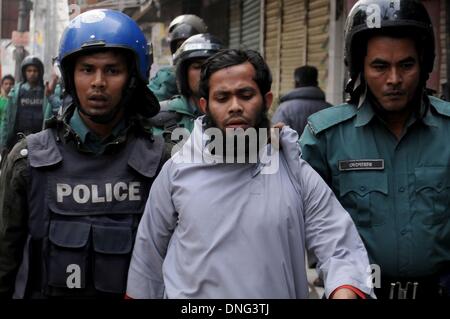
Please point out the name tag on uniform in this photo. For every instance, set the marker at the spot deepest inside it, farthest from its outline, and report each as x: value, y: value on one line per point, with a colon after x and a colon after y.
x: 364, y: 164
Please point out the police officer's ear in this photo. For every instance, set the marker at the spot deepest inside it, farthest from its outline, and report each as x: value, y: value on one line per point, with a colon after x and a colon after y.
x: 203, y: 105
x: 268, y: 99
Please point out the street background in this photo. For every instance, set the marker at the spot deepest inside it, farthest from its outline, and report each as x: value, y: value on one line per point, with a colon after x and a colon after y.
x: 288, y: 33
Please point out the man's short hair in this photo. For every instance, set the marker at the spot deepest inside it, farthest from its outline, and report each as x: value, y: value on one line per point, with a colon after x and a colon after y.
x: 8, y: 77
x: 231, y: 57
x: 306, y: 76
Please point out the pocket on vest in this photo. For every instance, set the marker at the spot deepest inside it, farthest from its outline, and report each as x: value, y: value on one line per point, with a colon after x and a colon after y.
x: 112, y: 252
x: 68, y: 254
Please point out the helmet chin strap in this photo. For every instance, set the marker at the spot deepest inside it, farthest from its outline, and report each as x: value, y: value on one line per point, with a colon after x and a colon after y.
x: 127, y: 94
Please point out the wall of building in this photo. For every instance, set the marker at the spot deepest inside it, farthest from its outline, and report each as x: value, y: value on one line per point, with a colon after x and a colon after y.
x: 48, y: 20
x: 296, y: 33
x: 9, y: 17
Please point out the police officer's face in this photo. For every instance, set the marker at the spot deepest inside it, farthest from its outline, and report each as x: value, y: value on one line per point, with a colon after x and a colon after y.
x: 235, y: 100
x: 392, y: 72
x: 7, y: 85
x: 193, y: 74
x: 32, y: 74
x: 99, y: 81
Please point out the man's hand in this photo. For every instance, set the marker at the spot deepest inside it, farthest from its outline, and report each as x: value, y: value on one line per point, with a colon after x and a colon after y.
x: 279, y: 125
x: 274, y: 138
x: 50, y: 87
x: 344, y: 293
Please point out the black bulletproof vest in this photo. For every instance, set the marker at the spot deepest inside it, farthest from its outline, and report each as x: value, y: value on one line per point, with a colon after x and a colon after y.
x: 84, y: 213
x: 30, y: 115
x: 167, y: 119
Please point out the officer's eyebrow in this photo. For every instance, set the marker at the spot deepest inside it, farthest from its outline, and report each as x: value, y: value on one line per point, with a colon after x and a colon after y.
x: 109, y: 65
x: 82, y: 65
x: 408, y: 59
x: 381, y: 61
x: 378, y: 61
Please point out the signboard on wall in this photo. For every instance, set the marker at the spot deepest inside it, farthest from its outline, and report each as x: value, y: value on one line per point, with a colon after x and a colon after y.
x: 20, y: 38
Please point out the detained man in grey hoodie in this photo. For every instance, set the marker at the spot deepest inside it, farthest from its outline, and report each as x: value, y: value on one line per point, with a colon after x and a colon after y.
x: 221, y: 225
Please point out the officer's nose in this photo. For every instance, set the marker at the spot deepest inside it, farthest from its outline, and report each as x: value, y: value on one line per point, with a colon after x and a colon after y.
x: 98, y: 81
x: 235, y: 106
x: 394, y: 76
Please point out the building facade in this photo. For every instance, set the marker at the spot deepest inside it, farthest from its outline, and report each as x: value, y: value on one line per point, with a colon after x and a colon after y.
x: 288, y: 33
x: 291, y: 33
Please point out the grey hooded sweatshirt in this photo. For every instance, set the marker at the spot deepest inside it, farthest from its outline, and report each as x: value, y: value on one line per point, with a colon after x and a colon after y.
x: 298, y: 105
x: 213, y: 230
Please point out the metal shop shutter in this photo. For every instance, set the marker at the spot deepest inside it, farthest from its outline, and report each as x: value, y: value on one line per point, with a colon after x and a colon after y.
x: 235, y: 24
x: 251, y: 24
x: 318, y: 37
x: 272, y: 40
x: 284, y: 42
x: 292, y: 42
x: 245, y: 24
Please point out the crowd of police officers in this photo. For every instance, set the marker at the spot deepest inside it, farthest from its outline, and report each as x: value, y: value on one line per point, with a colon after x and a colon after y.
x: 73, y: 193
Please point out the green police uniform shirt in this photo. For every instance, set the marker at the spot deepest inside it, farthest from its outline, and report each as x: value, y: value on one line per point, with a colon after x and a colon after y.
x: 3, y: 103
x: 164, y: 84
x: 396, y: 190
x: 89, y: 140
x: 186, y: 111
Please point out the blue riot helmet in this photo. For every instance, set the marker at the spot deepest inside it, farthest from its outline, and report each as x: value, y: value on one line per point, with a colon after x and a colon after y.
x: 100, y: 30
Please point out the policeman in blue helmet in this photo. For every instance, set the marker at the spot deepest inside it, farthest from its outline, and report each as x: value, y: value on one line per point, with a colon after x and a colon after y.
x: 72, y: 195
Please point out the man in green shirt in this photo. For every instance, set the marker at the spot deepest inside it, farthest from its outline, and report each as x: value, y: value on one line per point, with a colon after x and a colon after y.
x: 27, y: 107
x: 6, y: 86
x: 181, y: 110
x: 163, y: 84
x: 385, y: 154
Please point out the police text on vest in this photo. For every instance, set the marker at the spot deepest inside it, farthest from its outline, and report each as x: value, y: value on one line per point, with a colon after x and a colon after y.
x: 83, y: 194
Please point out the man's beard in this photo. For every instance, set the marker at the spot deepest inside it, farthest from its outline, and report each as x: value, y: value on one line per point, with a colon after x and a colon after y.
x: 251, y: 147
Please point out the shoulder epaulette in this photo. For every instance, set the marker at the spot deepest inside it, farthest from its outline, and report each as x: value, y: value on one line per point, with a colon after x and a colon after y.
x: 441, y: 106
x: 19, y: 151
x: 331, y: 116
x: 164, y: 106
x: 42, y: 148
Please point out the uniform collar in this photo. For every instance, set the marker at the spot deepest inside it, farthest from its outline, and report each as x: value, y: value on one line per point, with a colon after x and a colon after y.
x: 182, y: 104
x: 428, y: 118
x: 78, y: 126
x: 83, y: 132
x: 366, y: 113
